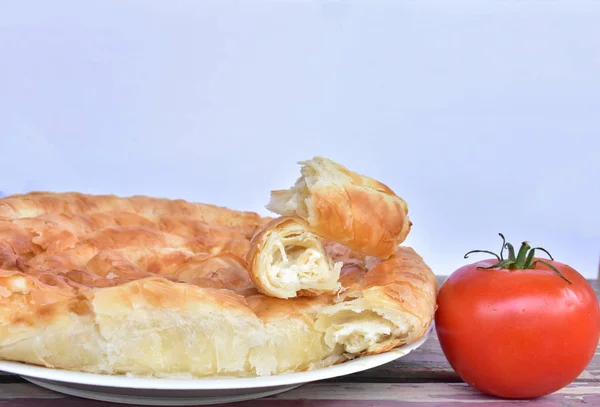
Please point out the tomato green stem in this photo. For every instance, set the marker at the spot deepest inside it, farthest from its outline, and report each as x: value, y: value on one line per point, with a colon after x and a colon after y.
x: 511, y: 252
x: 529, y: 259
x: 522, y: 253
x: 482, y: 251
x: 545, y: 251
x: 551, y: 267
x: 522, y: 261
x: 502, y: 248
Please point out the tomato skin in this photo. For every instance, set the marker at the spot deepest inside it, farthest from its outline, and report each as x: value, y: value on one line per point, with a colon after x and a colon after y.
x: 517, y: 333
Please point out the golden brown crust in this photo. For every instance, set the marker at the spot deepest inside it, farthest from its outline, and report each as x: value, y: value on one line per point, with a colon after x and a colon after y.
x: 345, y: 207
x: 34, y: 204
x: 155, y: 287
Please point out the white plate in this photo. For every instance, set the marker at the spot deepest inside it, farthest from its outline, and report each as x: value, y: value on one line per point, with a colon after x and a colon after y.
x: 182, y: 392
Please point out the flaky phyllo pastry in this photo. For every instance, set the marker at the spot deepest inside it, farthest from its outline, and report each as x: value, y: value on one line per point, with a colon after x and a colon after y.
x: 169, y: 288
x: 346, y: 207
x: 286, y: 260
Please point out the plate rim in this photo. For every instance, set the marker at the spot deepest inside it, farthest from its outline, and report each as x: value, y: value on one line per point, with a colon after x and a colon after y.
x: 122, y: 381
x: 88, y: 392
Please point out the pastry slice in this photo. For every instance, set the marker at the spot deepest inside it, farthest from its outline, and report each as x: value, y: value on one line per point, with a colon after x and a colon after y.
x: 345, y: 207
x: 286, y: 261
x: 387, y: 303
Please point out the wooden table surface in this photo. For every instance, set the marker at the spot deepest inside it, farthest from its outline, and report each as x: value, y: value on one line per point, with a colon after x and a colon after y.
x: 423, y: 378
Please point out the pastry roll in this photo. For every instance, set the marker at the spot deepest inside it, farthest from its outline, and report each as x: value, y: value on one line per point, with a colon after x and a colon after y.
x: 345, y: 207
x: 286, y: 261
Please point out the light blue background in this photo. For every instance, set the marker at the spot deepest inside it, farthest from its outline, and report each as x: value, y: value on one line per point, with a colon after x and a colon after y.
x: 484, y: 116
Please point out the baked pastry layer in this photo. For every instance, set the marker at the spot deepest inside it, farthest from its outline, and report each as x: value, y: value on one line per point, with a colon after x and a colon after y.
x: 345, y: 207
x: 161, y: 288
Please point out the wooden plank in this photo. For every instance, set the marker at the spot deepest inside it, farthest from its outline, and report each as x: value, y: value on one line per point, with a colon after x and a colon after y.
x: 427, y: 393
x: 26, y: 390
x: 367, y: 394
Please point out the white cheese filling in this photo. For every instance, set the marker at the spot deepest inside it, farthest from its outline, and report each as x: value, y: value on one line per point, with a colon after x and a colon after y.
x: 359, y: 333
x: 296, y: 267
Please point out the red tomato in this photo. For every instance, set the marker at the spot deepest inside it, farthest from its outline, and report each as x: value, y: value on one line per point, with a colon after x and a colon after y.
x: 518, y: 329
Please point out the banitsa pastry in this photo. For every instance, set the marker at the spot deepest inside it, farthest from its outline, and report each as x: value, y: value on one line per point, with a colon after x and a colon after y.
x: 168, y: 288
